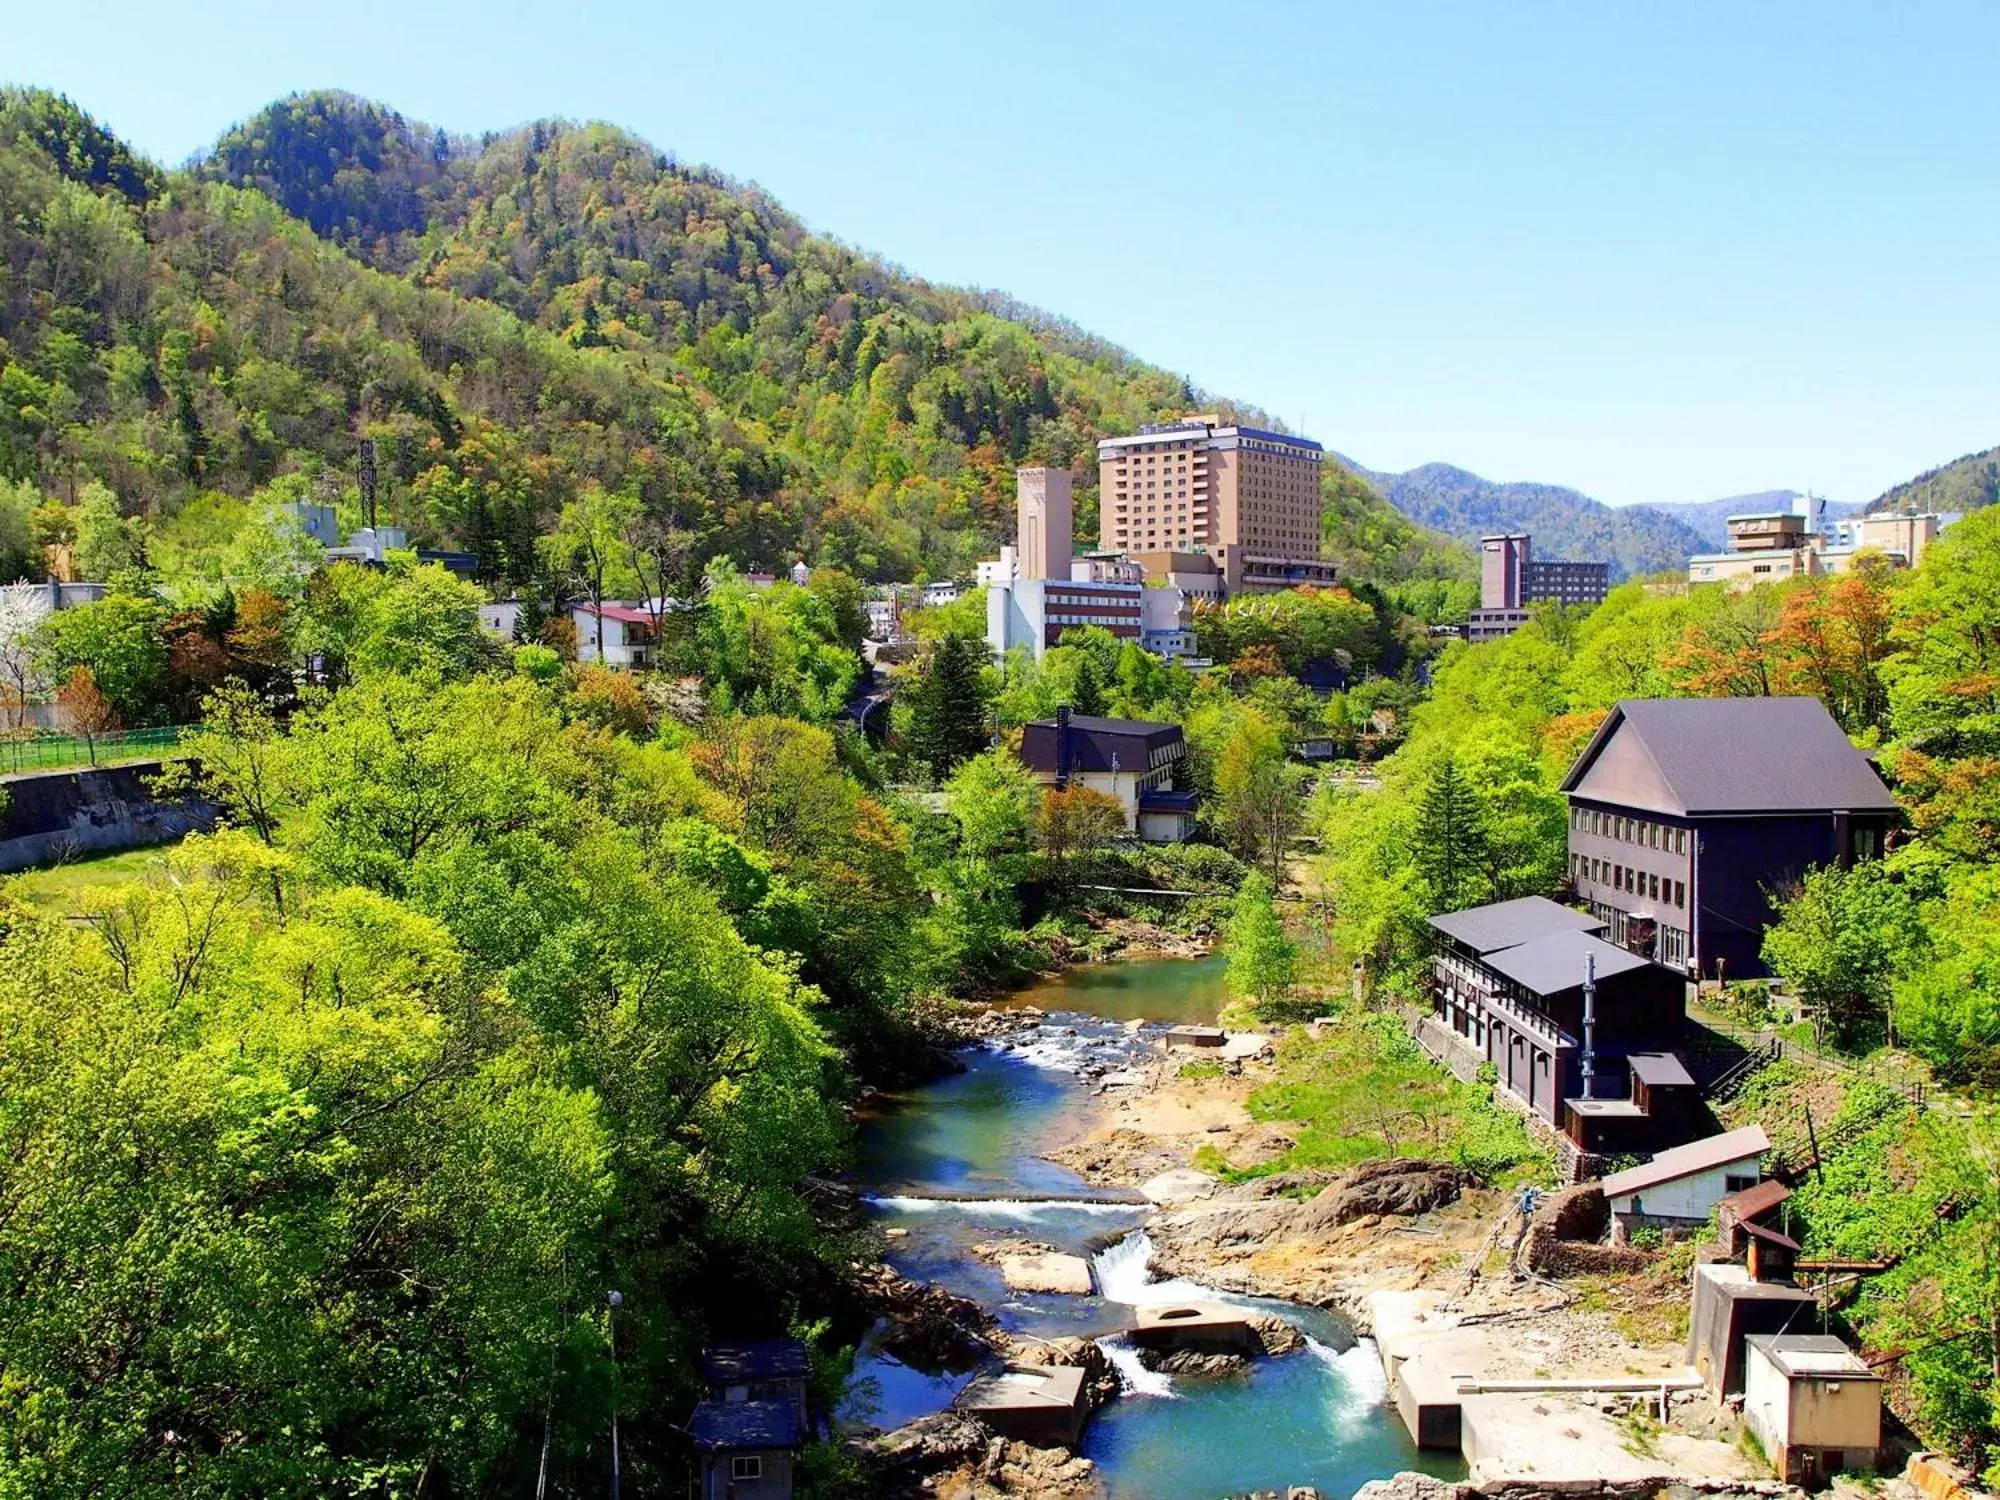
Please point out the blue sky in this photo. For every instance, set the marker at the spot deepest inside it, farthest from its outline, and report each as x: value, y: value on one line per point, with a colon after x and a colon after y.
x: 1654, y: 252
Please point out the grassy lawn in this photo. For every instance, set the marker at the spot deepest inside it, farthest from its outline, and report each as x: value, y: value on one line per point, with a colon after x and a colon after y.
x: 1362, y: 1089
x: 62, y: 888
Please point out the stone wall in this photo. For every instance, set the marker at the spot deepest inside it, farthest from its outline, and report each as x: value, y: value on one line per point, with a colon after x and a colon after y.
x: 62, y: 815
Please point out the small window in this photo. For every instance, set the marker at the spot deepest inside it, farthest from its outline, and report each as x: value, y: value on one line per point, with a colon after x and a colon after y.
x: 1680, y: 841
x: 746, y: 1466
x: 1680, y: 894
x: 1736, y: 1184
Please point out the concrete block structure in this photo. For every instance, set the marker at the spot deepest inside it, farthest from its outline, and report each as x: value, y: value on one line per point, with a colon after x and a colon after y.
x: 1729, y: 1305
x: 1813, y: 1404
x: 1041, y: 1404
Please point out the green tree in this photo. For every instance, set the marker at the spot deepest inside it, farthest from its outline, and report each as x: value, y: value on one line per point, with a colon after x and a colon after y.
x: 1837, y: 943
x: 1451, y: 846
x: 588, y: 541
x: 1263, y: 960
x: 992, y: 800
x: 118, y: 638
x: 947, y: 706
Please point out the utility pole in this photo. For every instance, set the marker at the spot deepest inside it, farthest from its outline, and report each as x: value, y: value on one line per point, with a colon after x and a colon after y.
x: 613, y: 1301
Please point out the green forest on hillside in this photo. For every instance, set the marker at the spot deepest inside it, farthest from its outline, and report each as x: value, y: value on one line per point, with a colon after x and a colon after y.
x: 517, y: 321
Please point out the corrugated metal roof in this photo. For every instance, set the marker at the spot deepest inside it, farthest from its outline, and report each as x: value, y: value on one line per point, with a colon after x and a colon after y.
x: 1507, y: 924
x: 1755, y: 1202
x: 1745, y: 755
x: 1686, y: 1161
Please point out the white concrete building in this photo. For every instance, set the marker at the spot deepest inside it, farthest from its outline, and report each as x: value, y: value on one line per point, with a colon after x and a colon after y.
x: 499, y: 617
x: 1680, y: 1187
x: 630, y: 639
x: 1132, y: 761
x: 1813, y: 1404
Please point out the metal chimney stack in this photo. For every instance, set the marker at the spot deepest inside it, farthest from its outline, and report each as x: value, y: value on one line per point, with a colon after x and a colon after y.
x: 1590, y: 1025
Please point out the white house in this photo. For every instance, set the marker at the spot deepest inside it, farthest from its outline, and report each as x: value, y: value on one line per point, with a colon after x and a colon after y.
x: 1813, y: 1404
x: 498, y: 618
x: 1130, y: 760
x: 630, y: 639
x: 1681, y: 1187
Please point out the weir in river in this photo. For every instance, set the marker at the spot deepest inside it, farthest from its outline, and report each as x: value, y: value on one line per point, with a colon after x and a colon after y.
x: 957, y: 1162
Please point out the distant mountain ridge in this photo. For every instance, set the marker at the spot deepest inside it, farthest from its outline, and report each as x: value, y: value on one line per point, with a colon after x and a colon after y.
x: 1963, y: 484
x: 1635, y: 540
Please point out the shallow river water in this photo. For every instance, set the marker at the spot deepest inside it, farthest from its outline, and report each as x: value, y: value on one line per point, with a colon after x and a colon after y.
x: 957, y: 1161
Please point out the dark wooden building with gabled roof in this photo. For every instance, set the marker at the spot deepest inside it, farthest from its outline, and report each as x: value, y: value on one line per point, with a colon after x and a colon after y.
x: 1507, y: 981
x: 1687, y: 814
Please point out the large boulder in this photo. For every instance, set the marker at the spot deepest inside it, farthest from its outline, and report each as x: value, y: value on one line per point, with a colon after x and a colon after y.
x: 1051, y: 1271
x: 1400, y: 1186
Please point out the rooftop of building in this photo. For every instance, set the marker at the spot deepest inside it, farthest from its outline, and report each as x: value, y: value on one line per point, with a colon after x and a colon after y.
x: 1755, y: 1202
x: 1765, y: 515
x: 1097, y: 744
x: 1507, y: 924
x: 1689, y: 1160
x: 1812, y: 1355
x: 1659, y: 1070
x: 755, y: 1359
x: 745, y: 1424
x: 1549, y: 965
x: 1743, y: 755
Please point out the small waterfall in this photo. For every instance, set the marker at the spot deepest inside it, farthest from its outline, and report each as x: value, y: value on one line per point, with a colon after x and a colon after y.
x: 1363, y: 1387
x: 1134, y: 1378
x: 1122, y: 1276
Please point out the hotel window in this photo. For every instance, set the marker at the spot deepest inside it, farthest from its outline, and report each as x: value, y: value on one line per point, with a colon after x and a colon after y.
x: 1680, y: 841
x: 1680, y: 894
x: 1652, y: 887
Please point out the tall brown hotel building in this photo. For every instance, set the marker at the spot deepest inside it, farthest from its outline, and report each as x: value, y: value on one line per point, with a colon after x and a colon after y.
x: 1248, y: 499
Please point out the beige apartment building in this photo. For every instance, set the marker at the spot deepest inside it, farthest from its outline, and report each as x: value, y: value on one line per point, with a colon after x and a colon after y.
x: 1249, y: 499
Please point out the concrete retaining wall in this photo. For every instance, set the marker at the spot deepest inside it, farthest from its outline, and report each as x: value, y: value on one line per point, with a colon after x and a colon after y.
x: 60, y: 815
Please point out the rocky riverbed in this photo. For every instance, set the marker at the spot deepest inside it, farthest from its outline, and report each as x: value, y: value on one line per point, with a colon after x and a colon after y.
x: 1320, y: 1240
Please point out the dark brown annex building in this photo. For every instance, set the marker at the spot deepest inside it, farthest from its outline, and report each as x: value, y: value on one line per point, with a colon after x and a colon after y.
x: 1507, y: 988
x: 1686, y: 814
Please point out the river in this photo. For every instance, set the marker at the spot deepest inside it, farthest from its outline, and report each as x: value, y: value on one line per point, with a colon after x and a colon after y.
x: 1316, y: 1417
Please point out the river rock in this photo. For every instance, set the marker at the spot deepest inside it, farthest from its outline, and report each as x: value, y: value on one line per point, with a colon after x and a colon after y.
x: 1194, y: 1362
x: 1409, y: 1486
x: 902, y: 1462
x: 1401, y: 1185
x: 924, y: 1325
x: 1276, y: 1335
x: 1065, y: 1275
x: 1181, y: 1185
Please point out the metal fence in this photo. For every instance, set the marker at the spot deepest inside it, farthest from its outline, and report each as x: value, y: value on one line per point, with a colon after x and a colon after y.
x: 60, y: 752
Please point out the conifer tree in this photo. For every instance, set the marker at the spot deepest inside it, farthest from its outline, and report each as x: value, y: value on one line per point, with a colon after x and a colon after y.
x: 948, y: 706
x: 1451, y: 838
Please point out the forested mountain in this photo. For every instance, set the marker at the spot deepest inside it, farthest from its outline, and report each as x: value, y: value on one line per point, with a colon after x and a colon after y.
x: 1563, y: 522
x: 1706, y: 517
x: 1963, y: 484
x: 515, y: 320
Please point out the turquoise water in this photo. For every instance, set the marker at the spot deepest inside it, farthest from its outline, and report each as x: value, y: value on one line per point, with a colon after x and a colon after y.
x: 1316, y: 1417
x: 1172, y: 991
